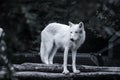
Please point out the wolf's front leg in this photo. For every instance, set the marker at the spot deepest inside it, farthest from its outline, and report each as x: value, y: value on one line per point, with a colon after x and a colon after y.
x: 65, y: 70
x: 74, y: 52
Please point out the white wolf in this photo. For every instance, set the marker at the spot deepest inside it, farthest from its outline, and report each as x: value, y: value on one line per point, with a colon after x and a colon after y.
x: 56, y: 36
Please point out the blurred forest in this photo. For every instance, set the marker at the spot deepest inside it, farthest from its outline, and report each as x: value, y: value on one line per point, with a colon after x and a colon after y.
x: 23, y: 20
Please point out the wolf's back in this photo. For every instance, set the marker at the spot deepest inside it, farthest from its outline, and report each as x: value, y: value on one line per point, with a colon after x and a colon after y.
x: 48, y: 34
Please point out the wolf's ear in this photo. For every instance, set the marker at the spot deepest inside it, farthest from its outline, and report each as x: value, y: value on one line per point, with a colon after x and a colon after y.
x: 81, y: 25
x: 70, y: 23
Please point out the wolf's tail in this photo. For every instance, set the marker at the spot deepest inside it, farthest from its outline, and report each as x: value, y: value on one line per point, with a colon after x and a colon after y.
x: 42, y: 52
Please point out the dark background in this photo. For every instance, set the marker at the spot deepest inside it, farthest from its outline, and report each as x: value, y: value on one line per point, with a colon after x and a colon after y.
x: 23, y: 21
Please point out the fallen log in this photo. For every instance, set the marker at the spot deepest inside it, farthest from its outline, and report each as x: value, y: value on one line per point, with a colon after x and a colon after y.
x: 35, y: 70
x: 57, y: 68
x: 28, y: 74
x: 34, y: 74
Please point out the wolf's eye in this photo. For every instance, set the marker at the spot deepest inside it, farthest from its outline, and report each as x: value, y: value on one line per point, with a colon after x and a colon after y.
x: 80, y: 31
x: 76, y: 32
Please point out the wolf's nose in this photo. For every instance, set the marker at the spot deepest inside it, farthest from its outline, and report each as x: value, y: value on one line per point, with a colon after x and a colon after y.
x: 72, y: 39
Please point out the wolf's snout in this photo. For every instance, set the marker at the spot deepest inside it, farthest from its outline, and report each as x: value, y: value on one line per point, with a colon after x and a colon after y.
x: 72, y: 39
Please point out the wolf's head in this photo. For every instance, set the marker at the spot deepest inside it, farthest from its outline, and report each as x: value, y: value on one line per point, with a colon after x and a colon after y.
x: 76, y: 31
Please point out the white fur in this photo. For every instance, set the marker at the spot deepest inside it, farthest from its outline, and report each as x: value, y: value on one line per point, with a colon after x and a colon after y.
x: 1, y: 31
x: 56, y: 36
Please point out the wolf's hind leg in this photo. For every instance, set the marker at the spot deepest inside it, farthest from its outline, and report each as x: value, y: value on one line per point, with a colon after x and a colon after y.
x: 52, y: 54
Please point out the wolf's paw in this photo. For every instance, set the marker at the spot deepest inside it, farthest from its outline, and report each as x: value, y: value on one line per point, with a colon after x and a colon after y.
x: 76, y: 71
x: 51, y: 62
x: 46, y: 62
x: 66, y: 72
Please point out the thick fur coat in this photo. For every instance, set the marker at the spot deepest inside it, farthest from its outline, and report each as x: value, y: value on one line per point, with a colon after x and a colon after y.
x: 68, y: 37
